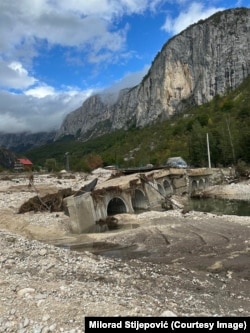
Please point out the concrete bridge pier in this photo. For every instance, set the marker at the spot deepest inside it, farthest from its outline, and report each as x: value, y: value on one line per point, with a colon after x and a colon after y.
x: 154, y: 194
x: 128, y: 194
x: 139, y: 200
x: 87, y: 209
x: 82, y: 213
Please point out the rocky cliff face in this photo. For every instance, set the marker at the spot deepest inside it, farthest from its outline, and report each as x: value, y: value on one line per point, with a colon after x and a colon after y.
x: 206, y: 59
x: 7, y: 158
x: 20, y: 142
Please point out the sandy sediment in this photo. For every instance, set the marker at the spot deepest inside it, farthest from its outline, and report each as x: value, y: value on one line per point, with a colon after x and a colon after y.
x: 156, y: 264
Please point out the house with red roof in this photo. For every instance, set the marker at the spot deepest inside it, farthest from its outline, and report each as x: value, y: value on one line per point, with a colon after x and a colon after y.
x: 23, y: 164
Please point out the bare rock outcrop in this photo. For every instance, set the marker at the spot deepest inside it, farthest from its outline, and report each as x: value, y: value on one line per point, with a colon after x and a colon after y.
x: 205, y: 60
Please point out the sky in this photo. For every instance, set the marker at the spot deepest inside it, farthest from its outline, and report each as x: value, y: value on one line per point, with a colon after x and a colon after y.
x: 54, y: 54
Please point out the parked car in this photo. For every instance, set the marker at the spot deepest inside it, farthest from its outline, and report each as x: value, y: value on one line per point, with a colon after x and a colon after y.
x: 176, y: 162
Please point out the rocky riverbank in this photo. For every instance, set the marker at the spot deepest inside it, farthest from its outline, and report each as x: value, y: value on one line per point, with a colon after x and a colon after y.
x: 155, y: 264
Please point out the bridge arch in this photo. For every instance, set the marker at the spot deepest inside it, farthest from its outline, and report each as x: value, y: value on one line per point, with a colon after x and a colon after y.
x: 194, y: 185
x: 139, y: 200
x: 160, y: 189
x: 167, y: 186
x: 201, y: 184
x: 116, y: 206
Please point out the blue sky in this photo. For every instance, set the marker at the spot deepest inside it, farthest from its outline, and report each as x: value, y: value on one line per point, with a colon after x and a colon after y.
x: 56, y: 53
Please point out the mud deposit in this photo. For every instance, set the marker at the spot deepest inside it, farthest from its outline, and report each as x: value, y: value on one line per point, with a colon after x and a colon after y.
x: 154, y: 264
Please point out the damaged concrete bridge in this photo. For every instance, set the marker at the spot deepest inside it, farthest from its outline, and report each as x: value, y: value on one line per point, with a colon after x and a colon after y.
x: 130, y: 193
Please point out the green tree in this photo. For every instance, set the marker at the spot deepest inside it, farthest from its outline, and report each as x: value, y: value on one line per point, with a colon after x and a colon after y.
x: 197, y: 146
x: 51, y: 165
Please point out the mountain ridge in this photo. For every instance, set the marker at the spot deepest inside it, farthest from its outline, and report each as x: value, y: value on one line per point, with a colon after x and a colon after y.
x: 204, y: 60
x: 20, y: 142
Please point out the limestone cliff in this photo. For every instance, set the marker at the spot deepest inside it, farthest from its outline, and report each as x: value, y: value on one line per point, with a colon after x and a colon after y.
x: 206, y: 59
x: 7, y: 158
x: 20, y: 142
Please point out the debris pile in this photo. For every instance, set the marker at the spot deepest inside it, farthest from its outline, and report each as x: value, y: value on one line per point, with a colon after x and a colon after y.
x: 50, y: 202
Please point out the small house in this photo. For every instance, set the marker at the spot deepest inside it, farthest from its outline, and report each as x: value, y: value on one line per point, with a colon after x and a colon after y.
x: 23, y: 164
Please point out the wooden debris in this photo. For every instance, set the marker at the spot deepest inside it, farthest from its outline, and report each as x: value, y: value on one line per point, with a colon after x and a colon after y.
x: 50, y: 202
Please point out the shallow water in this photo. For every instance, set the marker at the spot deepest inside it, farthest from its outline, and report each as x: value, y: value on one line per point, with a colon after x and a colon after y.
x: 210, y: 205
x: 219, y: 206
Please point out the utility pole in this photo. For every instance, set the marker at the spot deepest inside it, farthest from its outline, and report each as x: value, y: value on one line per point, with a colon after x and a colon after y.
x: 67, y: 161
x: 208, y: 153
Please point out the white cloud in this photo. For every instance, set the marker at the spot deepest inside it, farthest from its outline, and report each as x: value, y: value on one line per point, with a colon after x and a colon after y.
x: 68, y: 23
x: 40, y: 91
x: 111, y: 94
x: 15, y: 76
x: 90, y: 26
x: 42, y: 108
x: 20, y: 113
x: 105, y: 8
x: 129, y: 80
x: 195, y: 12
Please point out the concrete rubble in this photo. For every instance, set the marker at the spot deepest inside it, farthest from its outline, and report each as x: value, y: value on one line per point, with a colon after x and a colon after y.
x: 191, y: 264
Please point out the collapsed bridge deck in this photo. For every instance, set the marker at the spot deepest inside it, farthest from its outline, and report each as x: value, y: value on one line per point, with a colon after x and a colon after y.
x: 129, y: 193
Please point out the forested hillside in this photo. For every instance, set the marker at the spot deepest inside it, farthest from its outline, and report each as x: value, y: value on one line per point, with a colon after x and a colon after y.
x: 226, y: 119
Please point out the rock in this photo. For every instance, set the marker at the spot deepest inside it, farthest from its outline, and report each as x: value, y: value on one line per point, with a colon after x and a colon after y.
x: 163, y: 267
x: 25, y: 291
x: 26, y: 322
x: 43, y: 252
x: 168, y: 313
x: 201, y: 62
